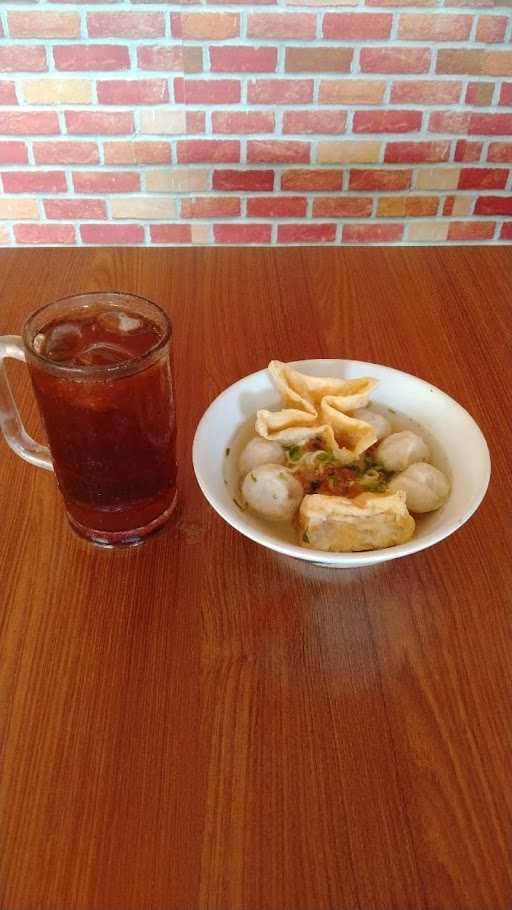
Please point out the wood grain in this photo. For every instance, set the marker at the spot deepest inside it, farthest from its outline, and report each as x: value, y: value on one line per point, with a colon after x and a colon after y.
x: 200, y: 724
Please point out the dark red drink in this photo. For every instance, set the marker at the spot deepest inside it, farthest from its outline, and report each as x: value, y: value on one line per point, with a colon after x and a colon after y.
x: 102, y: 376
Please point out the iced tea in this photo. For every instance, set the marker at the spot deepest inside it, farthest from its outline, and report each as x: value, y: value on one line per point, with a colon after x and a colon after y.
x: 102, y: 376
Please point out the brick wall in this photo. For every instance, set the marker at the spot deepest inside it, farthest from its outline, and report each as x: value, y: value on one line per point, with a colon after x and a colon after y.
x: 271, y: 121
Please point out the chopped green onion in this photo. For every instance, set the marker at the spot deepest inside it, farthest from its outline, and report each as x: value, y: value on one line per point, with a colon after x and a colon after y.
x: 294, y: 453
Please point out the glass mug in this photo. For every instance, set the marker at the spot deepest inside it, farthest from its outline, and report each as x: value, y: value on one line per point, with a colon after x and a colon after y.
x: 100, y: 366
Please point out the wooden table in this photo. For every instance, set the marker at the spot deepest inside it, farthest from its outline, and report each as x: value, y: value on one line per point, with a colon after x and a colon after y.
x: 199, y: 723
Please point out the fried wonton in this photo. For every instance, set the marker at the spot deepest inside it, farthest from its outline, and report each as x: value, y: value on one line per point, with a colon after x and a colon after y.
x: 370, y: 521
x: 316, y: 406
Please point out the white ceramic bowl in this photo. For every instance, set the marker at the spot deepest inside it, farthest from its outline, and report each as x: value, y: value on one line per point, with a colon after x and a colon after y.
x: 458, y: 446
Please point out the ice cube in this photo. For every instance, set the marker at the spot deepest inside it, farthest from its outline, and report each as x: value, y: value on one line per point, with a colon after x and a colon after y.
x: 62, y: 341
x: 119, y: 322
x: 103, y: 354
x: 38, y: 342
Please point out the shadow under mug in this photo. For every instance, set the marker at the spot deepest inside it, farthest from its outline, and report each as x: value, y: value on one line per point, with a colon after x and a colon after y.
x: 111, y: 426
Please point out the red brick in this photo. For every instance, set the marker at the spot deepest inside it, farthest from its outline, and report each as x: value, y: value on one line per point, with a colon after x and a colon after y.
x: 206, y: 91
x: 306, y: 233
x: 8, y: 93
x: 490, y: 124
x: 242, y: 234
x: 140, y: 91
x: 309, y: 179
x: 243, y: 122
x: 500, y: 151
x: 201, y: 26
x: 22, y: 58
x: 448, y: 205
x: 318, y: 59
x: 30, y: 123
x: 372, y: 233
x: 278, y: 151
x: 276, y: 207
x: 34, y: 181
x: 380, y: 179
x: 66, y: 153
x: 45, y: 234
x: 59, y: 209
x: 314, y: 121
x: 474, y: 61
x: 171, y: 233
x: 449, y: 122
x: 479, y: 93
x: 506, y: 231
x: 506, y: 93
x: 234, y: 59
x: 357, y: 26
x: 468, y: 151
x: 386, y: 121
x: 471, y: 230
x: 125, y: 25
x: 434, y: 26
x: 342, y: 207
x: 172, y: 58
x: 494, y: 205
x: 395, y: 60
x: 491, y: 178
x: 13, y: 153
x: 137, y: 152
x: 416, y: 92
x: 106, y: 181
x: 99, y: 122
x: 79, y: 57
x: 416, y: 152
x: 210, y: 207
x: 491, y: 29
x: 112, y: 234
x: 261, y: 181
x: 280, y: 91
x: 197, y: 150
x: 281, y: 25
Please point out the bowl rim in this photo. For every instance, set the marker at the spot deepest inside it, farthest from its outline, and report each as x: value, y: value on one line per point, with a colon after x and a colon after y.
x: 345, y: 560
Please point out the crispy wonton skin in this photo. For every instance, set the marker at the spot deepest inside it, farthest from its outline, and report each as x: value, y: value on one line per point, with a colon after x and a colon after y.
x: 317, y: 406
x: 370, y: 521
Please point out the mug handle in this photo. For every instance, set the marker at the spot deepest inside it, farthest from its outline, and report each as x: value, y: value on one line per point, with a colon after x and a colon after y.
x: 15, y: 433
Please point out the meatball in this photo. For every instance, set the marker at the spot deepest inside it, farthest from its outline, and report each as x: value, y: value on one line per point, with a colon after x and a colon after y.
x: 398, y: 451
x: 272, y: 492
x: 425, y: 487
x: 259, y: 451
